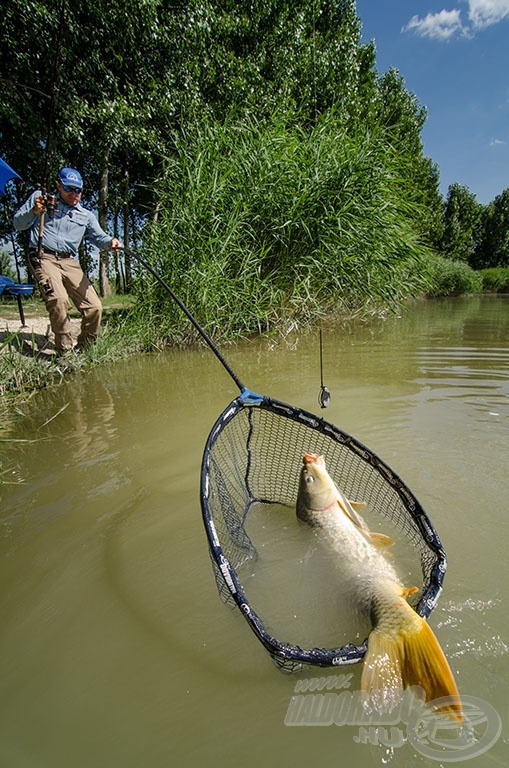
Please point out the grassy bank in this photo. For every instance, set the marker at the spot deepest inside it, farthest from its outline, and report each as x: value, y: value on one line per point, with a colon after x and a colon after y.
x: 24, y: 369
x: 27, y: 360
x: 262, y: 225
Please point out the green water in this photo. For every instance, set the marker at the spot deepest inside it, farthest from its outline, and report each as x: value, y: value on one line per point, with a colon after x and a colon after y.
x: 115, y: 649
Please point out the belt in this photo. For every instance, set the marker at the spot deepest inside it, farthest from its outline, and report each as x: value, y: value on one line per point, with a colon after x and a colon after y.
x: 57, y: 254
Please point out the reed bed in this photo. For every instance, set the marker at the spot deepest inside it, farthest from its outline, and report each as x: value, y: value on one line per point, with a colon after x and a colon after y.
x: 265, y: 222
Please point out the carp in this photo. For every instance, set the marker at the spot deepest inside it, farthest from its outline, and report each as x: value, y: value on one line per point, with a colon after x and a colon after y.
x: 402, y: 650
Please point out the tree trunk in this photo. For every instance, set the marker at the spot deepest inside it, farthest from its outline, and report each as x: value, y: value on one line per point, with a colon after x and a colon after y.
x: 104, y: 280
x: 127, y: 258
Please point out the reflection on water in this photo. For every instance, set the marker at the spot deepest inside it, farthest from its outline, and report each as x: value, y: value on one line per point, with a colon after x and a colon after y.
x: 115, y: 648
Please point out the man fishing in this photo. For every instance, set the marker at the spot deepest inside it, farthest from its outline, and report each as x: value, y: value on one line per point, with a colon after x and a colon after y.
x: 57, y: 226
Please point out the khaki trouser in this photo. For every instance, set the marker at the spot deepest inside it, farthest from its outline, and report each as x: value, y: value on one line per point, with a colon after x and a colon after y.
x: 60, y: 279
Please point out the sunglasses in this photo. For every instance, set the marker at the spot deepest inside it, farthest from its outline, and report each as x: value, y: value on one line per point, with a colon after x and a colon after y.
x: 68, y: 188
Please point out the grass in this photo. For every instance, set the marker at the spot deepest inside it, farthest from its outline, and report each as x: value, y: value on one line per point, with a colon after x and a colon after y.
x: 33, y: 306
x: 265, y: 223
x: 22, y: 372
x: 453, y: 278
x: 496, y: 279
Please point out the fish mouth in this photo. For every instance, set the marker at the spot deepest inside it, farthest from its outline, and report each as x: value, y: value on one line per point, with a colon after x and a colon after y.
x: 314, y: 463
x: 319, y: 460
x: 312, y: 458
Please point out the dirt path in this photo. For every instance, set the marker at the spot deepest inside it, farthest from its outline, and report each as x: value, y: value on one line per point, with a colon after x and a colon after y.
x: 35, y: 336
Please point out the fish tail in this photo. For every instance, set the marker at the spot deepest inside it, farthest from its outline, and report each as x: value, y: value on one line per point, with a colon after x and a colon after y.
x: 410, y: 657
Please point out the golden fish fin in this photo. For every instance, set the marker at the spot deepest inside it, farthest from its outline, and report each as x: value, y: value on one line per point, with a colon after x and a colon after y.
x: 380, y: 540
x: 406, y: 591
x: 357, y: 504
x: 426, y: 665
x: 412, y: 657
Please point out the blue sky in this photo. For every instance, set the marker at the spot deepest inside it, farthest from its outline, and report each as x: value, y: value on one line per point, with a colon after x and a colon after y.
x: 454, y: 56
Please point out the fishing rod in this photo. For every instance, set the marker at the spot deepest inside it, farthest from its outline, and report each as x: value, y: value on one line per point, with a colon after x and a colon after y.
x: 190, y: 317
x: 51, y: 200
x: 324, y: 394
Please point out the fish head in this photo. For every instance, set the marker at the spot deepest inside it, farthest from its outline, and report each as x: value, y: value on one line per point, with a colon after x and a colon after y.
x: 317, y: 492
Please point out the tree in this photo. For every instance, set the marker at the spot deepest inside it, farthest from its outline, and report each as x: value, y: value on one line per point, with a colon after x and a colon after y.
x: 132, y: 78
x: 461, y: 221
x: 400, y: 117
x: 492, y: 248
x: 94, y: 95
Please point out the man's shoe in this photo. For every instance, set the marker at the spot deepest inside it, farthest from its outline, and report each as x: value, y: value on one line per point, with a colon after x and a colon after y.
x: 64, y: 351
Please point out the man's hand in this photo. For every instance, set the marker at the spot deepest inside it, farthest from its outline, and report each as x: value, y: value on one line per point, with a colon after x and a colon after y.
x: 116, y: 244
x: 39, y: 206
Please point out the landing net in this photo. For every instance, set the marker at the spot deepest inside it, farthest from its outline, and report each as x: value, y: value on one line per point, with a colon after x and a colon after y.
x: 252, y: 460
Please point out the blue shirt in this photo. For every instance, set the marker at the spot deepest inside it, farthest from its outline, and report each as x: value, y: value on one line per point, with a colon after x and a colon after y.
x: 65, y: 231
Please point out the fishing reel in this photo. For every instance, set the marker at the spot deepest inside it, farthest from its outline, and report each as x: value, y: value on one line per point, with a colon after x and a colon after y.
x: 50, y: 201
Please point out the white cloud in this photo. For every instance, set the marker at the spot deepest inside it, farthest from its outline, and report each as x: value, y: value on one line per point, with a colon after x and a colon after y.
x: 437, y: 26
x: 483, y: 13
x: 447, y: 24
x: 497, y: 142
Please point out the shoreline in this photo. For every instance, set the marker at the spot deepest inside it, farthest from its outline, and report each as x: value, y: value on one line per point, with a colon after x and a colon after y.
x: 35, y: 336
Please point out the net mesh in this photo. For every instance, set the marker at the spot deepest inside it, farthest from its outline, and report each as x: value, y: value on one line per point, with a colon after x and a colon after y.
x: 252, y: 460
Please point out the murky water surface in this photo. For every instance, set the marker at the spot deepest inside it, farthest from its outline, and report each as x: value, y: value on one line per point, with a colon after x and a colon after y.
x: 115, y: 649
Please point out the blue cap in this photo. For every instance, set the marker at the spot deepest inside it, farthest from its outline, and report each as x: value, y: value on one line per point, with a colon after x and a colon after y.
x: 70, y: 176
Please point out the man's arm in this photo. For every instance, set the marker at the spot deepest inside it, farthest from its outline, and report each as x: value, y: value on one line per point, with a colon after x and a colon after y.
x: 98, y: 237
x: 29, y: 211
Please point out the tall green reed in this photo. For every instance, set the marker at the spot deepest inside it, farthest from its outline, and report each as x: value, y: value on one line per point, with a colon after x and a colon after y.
x: 262, y: 222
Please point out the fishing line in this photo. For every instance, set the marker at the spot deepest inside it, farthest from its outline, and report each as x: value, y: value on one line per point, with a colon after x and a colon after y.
x: 324, y: 394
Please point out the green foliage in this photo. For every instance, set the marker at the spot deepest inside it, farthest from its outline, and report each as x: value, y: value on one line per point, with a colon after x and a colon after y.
x: 495, y: 279
x: 120, y: 77
x: 492, y: 248
x: 5, y: 266
x: 331, y: 205
x: 461, y: 222
x: 265, y: 220
x: 398, y: 116
x: 453, y: 278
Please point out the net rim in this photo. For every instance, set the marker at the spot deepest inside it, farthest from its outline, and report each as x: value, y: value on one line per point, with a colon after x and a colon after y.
x: 283, y: 652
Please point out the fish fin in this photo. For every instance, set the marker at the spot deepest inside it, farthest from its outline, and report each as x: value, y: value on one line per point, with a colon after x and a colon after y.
x: 426, y: 665
x: 382, y: 678
x: 352, y: 515
x: 406, y: 591
x: 357, y: 504
x: 380, y: 540
x: 412, y: 657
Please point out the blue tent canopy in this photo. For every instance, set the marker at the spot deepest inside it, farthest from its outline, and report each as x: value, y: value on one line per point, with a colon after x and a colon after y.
x: 6, y: 174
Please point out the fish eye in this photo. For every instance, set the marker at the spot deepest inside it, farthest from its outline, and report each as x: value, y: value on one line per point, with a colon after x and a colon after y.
x: 310, y: 479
